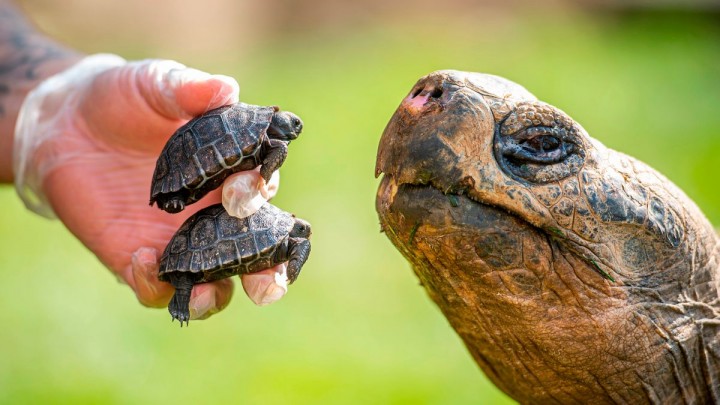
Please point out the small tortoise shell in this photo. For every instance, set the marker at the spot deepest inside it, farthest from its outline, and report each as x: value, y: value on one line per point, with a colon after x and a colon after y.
x: 202, y: 153
x: 215, y: 245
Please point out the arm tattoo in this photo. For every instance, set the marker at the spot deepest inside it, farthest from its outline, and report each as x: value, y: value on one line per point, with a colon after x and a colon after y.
x: 23, y: 50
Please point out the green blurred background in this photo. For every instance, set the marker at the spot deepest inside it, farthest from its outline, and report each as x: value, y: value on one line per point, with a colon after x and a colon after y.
x: 357, y: 327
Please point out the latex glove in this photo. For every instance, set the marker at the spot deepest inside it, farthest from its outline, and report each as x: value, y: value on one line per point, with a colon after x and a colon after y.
x: 268, y: 286
x: 86, y: 145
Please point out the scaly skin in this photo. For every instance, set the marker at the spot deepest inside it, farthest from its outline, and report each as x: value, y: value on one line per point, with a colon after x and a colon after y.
x: 572, y: 272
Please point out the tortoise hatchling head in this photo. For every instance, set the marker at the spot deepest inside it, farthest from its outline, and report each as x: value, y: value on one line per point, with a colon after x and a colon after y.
x: 301, y: 229
x: 285, y: 126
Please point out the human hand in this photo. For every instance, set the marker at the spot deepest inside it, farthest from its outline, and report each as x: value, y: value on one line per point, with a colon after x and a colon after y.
x: 93, y: 159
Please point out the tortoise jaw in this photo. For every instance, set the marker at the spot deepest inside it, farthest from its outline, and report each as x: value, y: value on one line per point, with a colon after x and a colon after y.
x: 431, y: 228
x: 498, y: 278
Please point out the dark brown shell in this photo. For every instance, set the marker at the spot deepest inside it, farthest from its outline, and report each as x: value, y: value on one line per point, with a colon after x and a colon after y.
x: 217, y: 245
x: 202, y: 153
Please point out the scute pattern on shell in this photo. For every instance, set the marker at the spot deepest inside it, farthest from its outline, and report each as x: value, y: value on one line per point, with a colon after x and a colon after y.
x: 223, y: 140
x: 216, y: 245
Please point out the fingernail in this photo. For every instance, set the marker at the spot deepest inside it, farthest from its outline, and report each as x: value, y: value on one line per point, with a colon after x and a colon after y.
x: 203, y: 305
x: 241, y: 195
x: 272, y: 294
x: 227, y: 93
x: 186, y: 74
x: 267, y: 286
x: 273, y: 185
x: 263, y: 189
x: 144, y: 265
x: 231, y: 88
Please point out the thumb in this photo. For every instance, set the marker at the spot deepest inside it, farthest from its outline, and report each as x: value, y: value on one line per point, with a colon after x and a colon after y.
x: 179, y: 92
x: 150, y: 99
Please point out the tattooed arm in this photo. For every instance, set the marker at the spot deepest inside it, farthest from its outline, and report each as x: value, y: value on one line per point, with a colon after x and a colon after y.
x: 26, y: 58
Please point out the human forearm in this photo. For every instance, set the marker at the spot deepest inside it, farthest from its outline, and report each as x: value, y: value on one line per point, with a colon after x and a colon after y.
x: 26, y: 58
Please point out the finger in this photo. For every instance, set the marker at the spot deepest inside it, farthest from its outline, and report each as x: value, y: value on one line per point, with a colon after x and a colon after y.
x: 267, y: 286
x: 210, y: 298
x: 194, y: 97
x: 245, y: 192
x: 273, y: 185
x: 176, y: 91
x: 155, y: 97
x: 150, y: 291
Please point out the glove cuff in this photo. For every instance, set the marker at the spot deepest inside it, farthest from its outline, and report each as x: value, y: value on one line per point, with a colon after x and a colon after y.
x: 35, y: 124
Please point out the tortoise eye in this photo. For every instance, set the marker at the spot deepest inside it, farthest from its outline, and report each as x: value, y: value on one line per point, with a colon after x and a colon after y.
x: 544, y: 143
x: 540, y: 154
x: 537, y: 142
x: 538, y: 145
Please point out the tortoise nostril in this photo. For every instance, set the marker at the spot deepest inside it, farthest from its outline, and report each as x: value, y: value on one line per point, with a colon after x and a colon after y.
x: 430, y: 92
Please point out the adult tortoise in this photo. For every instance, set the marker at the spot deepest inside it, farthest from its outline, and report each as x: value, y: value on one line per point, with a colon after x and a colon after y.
x: 201, y: 154
x: 212, y: 245
x: 573, y: 273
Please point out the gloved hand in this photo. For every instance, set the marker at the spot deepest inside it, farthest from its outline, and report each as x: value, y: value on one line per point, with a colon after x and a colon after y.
x: 85, y: 149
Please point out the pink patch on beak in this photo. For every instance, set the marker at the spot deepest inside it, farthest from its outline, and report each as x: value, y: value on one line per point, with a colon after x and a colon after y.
x: 416, y: 103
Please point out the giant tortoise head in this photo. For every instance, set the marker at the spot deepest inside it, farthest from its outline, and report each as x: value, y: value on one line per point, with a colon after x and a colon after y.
x: 572, y: 272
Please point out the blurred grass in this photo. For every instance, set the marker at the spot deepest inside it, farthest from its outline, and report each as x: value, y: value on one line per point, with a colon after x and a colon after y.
x: 356, y: 328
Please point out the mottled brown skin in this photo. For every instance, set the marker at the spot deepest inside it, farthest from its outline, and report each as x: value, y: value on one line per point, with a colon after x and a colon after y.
x: 573, y: 273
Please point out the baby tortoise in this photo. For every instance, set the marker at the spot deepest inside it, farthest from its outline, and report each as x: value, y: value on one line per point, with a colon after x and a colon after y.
x: 200, y: 155
x: 572, y: 272
x: 212, y: 245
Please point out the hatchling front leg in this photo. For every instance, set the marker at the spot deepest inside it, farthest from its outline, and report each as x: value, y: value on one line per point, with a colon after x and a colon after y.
x: 299, y: 252
x: 275, y: 156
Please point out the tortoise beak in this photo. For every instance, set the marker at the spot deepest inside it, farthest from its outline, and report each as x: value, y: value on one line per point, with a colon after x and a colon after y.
x: 440, y: 125
x: 296, y: 130
x: 442, y: 132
